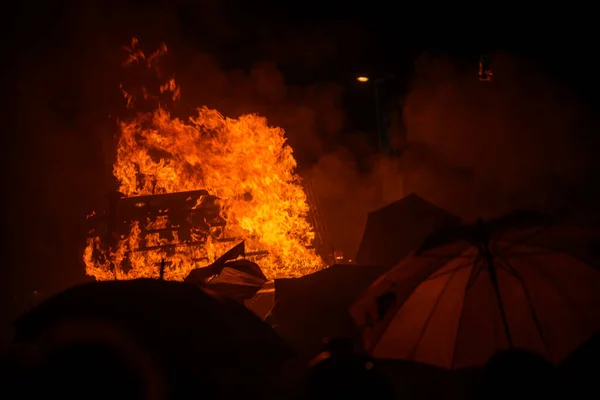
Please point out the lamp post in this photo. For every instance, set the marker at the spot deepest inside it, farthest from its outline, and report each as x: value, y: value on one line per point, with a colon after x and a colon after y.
x: 383, y: 141
x: 389, y: 191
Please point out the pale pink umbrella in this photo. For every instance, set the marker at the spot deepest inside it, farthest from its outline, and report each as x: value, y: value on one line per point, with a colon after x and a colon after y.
x: 522, y: 281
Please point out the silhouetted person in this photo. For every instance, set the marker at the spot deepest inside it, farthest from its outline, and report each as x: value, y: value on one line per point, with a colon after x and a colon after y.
x: 582, y: 369
x: 339, y: 374
x: 518, y: 374
x: 81, y: 371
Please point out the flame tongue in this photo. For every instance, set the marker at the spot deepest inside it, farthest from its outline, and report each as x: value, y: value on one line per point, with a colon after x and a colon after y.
x: 243, y: 162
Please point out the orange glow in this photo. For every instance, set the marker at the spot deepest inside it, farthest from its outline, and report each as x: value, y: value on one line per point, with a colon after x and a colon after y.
x: 244, y: 162
x: 363, y: 79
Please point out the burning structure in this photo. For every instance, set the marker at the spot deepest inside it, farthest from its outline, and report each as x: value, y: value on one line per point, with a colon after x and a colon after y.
x: 191, y: 189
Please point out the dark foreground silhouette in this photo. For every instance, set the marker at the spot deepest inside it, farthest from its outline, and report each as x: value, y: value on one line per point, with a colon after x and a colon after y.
x: 84, y: 370
x: 148, y: 339
x: 142, y: 339
x: 519, y: 374
x: 339, y: 373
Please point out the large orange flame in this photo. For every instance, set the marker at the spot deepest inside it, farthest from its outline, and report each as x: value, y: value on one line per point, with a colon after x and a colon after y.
x: 244, y: 162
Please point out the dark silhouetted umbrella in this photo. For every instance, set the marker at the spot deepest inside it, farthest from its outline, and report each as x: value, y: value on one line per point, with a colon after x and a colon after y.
x: 522, y: 281
x: 315, y: 306
x: 216, y: 341
x: 394, y: 231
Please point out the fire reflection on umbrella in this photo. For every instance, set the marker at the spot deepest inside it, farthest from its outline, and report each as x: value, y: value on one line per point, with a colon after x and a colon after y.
x: 471, y: 291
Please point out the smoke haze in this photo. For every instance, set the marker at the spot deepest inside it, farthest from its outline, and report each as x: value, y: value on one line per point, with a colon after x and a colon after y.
x: 67, y: 101
x: 475, y: 148
x: 484, y: 148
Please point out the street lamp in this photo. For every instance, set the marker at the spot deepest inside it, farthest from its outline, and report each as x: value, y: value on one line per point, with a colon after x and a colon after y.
x: 382, y: 134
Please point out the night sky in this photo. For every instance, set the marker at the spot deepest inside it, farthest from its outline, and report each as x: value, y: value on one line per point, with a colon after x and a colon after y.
x: 527, y: 139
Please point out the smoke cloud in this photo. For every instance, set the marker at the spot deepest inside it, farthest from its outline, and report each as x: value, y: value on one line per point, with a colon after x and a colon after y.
x: 484, y: 148
x: 475, y: 148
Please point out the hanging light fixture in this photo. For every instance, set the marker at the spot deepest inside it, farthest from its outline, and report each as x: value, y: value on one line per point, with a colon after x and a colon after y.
x: 485, y: 72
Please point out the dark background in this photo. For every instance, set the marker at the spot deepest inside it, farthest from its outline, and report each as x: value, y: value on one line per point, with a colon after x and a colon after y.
x: 527, y: 139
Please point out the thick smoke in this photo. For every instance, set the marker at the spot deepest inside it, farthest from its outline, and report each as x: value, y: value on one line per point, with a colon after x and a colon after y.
x: 347, y: 193
x: 475, y: 148
x: 484, y: 148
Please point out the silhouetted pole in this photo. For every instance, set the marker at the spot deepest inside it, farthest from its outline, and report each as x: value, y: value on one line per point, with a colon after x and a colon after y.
x: 489, y: 260
x: 382, y: 139
x: 161, y: 275
x: 382, y: 136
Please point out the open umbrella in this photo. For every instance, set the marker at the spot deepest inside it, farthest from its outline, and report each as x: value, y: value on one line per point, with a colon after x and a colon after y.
x: 521, y: 281
x: 315, y: 306
x: 238, y: 280
x: 199, y: 276
x: 210, y: 343
x: 392, y: 232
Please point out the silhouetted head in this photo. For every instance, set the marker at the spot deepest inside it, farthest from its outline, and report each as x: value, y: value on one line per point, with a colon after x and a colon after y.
x: 83, y: 359
x: 346, y: 377
x: 83, y: 370
x: 518, y: 373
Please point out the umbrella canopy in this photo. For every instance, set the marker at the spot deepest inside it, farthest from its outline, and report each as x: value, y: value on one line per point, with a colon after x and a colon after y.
x: 521, y: 281
x: 394, y: 231
x: 263, y: 301
x: 199, y: 276
x: 315, y: 306
x: 187, y: 330
x: 238, y: 280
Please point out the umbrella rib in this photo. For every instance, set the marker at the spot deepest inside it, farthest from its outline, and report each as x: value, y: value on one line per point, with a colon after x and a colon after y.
x: 426, y: 324
x: 386, y: 321
x: 509, y: 268
x: 526, y: 238
x: 472, y: 278
x: 494, y: 242
x: 534, y: 316
x: 531, y: 253
x: 476, y: 271
x: 488, y: 258
x: 548, y: 250
x: 582, y: 259
x: 460, y: 266
x: 567, y: 299
x: 448, y: 256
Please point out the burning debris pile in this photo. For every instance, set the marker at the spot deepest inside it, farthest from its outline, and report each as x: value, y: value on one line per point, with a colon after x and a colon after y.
x: 193, y: 189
